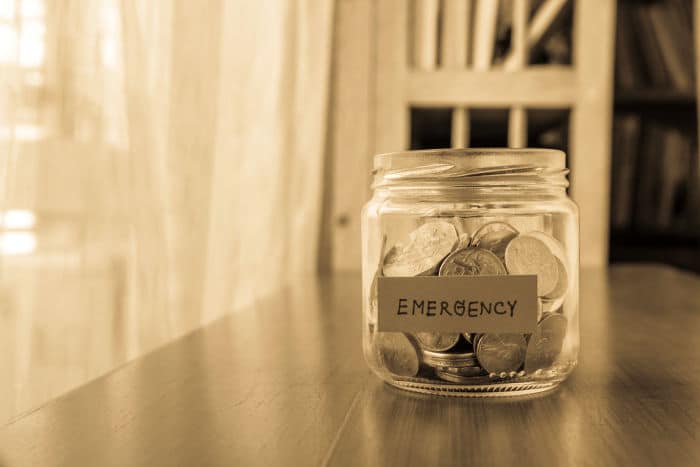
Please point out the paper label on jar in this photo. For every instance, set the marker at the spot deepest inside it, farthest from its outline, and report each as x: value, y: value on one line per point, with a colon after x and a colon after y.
x: 499, y: 304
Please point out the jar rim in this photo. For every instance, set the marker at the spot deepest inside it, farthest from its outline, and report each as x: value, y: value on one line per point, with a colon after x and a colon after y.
x: 483, y: 167
x: 471, y: 158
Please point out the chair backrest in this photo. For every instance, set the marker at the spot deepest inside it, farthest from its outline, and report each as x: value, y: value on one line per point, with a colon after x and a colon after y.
x: 419, y: 57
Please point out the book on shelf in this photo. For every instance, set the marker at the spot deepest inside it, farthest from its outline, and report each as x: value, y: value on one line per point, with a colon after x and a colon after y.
x: 674, y: 164
x: 629, y: 73
x: 655, y: 176
x: 626, y: 145
x: 654, y: 45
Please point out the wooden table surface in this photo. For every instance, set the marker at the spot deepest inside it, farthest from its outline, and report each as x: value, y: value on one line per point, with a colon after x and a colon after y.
x: 284, y: 383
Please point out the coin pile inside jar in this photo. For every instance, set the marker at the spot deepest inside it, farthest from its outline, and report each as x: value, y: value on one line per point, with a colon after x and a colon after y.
x: 443, y: 248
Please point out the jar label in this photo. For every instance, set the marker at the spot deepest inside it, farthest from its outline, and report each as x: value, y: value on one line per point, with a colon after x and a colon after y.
x: 498, y: 304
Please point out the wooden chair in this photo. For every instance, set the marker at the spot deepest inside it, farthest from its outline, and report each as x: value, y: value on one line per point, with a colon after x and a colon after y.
x: 375, y: 85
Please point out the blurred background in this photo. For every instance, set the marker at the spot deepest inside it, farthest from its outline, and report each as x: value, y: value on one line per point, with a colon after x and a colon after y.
x: 165, y: 162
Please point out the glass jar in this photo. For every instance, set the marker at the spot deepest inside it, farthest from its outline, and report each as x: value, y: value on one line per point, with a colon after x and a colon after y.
x: 470, y: 271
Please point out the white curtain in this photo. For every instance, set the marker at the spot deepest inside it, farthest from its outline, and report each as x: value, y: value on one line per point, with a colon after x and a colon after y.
x: 167, y: 158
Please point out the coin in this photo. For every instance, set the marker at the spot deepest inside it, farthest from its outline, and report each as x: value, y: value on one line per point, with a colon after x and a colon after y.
x: 559, y: 253
x: 457, y: 378
x: 526, y: 224
x: 428, y: 245
x: 462, y: 371
x: 546, y: 342
x: 396, y: 353
x: 373, y: 288
x: 562, y: 282
x: 463, y: 241
x: 501, y: 352
x: 474, y: 339
x: 526, y: 254
x: 452, y: 360
x: 472, y: 262
x: 437, y: 341
x: 457, y: 222
x: 494, y: 237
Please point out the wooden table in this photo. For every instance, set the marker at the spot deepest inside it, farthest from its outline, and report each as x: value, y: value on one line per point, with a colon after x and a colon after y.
x: 284, y: 383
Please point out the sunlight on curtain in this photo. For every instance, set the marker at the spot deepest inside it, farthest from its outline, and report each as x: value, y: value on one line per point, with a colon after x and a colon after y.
x: 160, y: 165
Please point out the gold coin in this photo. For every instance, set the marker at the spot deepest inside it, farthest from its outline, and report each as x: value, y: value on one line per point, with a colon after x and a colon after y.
x: 472, y: 262
x: 437, y: 341
x: 526, y: 254
x: 546, y: 342
x: 501, y: 352
x: 494, y: 237
x: 428, y: 245
x: 396, y: 353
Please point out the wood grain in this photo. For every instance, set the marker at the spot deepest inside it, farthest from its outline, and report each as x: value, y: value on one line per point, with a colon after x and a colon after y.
x: 351, y: 154
x: 517, y: 117
x: 591, y: 123
x: 545, y: 87
x: 391, y: 113
x: 425, y: 33
x: 454, y: 48
x: 455, y: 42
x: 284, y: 383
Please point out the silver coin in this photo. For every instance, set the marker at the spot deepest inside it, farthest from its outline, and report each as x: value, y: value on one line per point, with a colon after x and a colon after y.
x: 455, y: 378
x: 463, y: 241
x: 494, y: 237
x: 475, y: 339
x: 472, y: 262
x: 397, y: 353
x: 463, y: 371
x: 457, y: 222
x: 557, y: 249
x: 526, y: 254
x: 452, y: 360
x: 545, y: 344
x: 428, y: 245
x: 373, y: 288
x: 469, y: 337
x: 562, y: 282
x: 499, y: 353
x: 437, y: 341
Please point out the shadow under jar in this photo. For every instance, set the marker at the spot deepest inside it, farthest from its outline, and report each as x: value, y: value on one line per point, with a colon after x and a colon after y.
x: 470, y: 271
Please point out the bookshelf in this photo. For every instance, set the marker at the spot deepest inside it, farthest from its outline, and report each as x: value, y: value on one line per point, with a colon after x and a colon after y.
x: 654, y: 98
x: 655, y: 178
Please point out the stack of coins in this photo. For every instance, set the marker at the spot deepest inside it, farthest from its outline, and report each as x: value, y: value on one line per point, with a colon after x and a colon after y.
x: 454, y: 366
x: 442, y: 247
